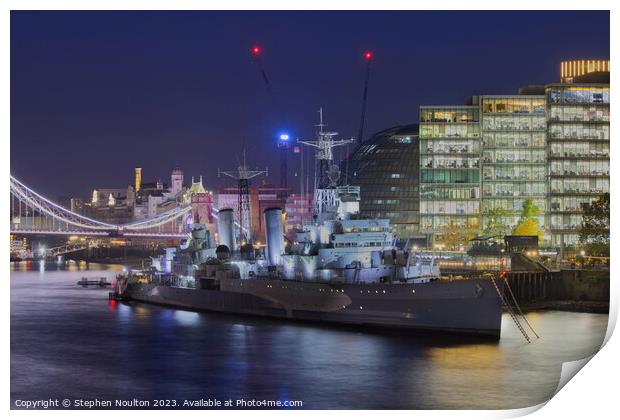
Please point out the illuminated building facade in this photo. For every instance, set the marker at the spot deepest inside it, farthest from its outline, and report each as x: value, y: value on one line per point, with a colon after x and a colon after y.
x: 514, y: 155
x: 450, y: 155
x: 571, y: 69
x: 299, y: 209
x: 578, y: 137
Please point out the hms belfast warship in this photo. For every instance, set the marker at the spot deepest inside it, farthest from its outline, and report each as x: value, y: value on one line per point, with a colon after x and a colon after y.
x: 341, y: 268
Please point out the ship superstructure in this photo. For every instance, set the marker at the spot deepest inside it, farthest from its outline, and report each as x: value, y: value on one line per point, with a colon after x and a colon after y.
x: 340, y: 268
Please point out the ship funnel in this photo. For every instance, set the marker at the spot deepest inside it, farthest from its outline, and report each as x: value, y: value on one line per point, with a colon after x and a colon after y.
x: 274, y: 235
x: 226, y: 228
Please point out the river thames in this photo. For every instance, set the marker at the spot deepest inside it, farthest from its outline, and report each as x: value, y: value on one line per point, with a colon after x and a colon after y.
x: 70, y: 342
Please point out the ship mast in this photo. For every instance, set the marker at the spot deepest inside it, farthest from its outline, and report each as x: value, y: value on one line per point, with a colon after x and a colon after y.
x: 243, y: 175
x: 327, y: 173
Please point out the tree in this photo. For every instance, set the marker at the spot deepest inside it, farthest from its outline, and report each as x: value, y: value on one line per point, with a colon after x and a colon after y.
x: 529, y: 210
x: 453, y: 236
x: 594, y: 232
x: 495, y: 224
x: 528, y: 227
x: 528, y: 222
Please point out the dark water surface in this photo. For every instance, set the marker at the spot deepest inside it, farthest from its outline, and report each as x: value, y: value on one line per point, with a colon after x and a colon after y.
x: 70, y: 342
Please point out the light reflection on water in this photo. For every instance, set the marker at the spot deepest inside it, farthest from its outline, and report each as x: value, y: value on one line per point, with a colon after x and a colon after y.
x: 70, y: 342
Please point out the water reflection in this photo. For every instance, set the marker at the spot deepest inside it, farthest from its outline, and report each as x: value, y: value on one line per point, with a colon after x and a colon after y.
x: 86, y: 346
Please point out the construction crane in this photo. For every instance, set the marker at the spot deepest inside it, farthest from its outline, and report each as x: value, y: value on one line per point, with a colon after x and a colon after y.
x: 257, y: 58
x: 368, y: 56
x: 283, y: 138
x: 243, y: 175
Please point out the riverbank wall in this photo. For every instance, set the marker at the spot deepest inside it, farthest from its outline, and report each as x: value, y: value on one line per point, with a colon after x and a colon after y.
x: 576, y: 290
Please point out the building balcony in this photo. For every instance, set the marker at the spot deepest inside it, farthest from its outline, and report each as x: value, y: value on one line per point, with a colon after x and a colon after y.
x: 578, y: 156
x: 513, y: 178
x: 567, y: 191
x: 575, y: 136
x: 502, y: 194
x: 580, y: 173
x: 452, y: 166
x: 579, y: 120
x: 514, y: 162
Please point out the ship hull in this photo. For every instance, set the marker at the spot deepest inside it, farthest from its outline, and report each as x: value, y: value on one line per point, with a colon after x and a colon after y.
x: 463, y: 306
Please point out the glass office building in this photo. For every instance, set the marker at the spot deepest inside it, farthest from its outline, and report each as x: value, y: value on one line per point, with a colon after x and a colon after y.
x: 578, y: 144
x: 514, y: 155
x: 449, y: 169
x: 548, y: 143
x: 386, y: 168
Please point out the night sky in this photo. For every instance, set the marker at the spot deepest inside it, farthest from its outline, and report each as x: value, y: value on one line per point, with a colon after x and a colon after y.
x: 94, y: 94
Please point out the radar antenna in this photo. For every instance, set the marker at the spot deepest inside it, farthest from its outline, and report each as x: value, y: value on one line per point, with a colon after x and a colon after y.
x: 243, y: 175
x: 328, y: 173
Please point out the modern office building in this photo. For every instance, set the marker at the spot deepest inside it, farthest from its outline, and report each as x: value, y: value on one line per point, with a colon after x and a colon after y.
x: 549, y: 144
x: 386, y: 168
x: 578, y: 144
x: 449, y: 169
x: 514, y: 155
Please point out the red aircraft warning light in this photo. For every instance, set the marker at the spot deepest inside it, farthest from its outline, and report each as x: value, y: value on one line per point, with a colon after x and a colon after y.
x: 368, y: 55
x: 256, y: 50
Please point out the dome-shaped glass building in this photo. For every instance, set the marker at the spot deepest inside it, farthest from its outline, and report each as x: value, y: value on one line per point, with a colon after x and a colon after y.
x: 386, y: 167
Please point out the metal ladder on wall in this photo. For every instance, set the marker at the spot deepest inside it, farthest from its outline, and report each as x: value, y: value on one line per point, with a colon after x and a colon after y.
x: 508, y: 304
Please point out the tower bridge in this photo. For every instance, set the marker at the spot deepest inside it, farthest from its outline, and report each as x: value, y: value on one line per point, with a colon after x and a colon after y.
x: 32, y: 213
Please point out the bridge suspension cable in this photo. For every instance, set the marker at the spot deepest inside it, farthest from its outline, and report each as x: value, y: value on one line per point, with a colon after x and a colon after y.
x: 44, y: 205
x: 37, y: 214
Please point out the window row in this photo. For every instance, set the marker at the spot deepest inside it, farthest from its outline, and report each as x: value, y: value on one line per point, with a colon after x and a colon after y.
x: 449, y: 115
x: 569, y: 204
x: 512, y: 123
x: 448, y: 222
x: 450, y: 146
x: 384, y: 201
x: 513, y: 105
x: 521, y: 189
x: 514, y: 156
x: 578, y: 95
x: 579, y: 131
x: 514, y: 205
x: 579, y: 149
x: 448, y: 193
x: 449, y: 207
x: 579, y: 167
x: 580, y: 186
x: 566, y: 221
x: 450, y: 176
x: 439, y: 131
x: 567, y: 240
x: 579, y: 113
x: 511, y: 173
x: 449, y: 163
x: 515, y: 139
